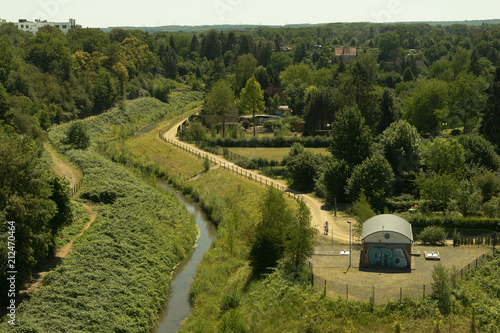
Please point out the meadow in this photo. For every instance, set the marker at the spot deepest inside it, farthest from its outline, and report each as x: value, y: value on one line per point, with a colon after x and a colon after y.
x: 276, y: 154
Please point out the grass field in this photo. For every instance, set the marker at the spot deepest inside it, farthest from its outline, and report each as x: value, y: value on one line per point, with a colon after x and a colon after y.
x: 271, y: 153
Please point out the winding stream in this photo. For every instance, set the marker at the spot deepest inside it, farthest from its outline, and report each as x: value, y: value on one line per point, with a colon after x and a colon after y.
x: 178, y: 307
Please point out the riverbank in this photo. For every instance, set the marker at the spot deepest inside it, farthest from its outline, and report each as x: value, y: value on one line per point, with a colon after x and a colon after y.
x: 119, y: 273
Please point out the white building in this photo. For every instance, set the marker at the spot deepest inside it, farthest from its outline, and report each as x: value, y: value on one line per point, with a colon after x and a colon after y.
x: 33, y: 26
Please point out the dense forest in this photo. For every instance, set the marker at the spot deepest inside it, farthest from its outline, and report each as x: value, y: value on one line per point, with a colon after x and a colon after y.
x: 412, y: 118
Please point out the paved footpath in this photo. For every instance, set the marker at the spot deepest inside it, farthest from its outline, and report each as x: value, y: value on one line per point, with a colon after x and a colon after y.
x: 319, y: 210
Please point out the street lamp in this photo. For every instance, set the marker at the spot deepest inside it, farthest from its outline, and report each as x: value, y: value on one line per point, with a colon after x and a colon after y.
x: 350, y: 250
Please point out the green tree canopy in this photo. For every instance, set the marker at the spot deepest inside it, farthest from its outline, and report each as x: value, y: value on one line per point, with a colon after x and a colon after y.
x: 252, y: 99
x: 388, y: 111
x: 77, y: 136
x: 437, y: 190
x: 466, y: 100
x: 300, y: 239
x: 479, y: 151
x: 280, y: 61
x: 335, y: 178
x: 374, y: 177
x: 48, y: 50
x: 319, y: 112
x: 244, y: 69
x: 269, y: 243
x: 401, y: 144
x: 297, y: 74
x: 33, y: 199
x: 220, y: 101
x: 490, y: 126
x: 351, y: 138
x: 388, y: 43
x: 444, y: 156
x: 426, y: 108
x: 304, y: 169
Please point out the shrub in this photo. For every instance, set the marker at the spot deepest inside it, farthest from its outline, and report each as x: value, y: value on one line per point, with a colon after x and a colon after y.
x: 433, y: 235
x: 233, y: 322
x: 441, y: 288
x: 206, y: 163
x: 77, y: 136
x: 492, y: 207
x: 230, y: 301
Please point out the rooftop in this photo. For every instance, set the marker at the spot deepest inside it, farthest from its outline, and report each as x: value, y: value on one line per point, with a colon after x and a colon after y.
x: 387, y: 222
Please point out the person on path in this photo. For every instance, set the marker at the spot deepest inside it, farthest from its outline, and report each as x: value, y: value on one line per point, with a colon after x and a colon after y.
x: 326, y: 228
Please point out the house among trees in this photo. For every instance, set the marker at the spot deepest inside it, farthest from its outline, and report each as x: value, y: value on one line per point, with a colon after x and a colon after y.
x: 283, y: 110
x: 346, y: 53
x: 387, y: 241
x: 260, y: 119
x: 33, y: 26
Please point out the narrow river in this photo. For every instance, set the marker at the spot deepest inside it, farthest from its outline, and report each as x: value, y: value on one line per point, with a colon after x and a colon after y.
x: 178, y: 307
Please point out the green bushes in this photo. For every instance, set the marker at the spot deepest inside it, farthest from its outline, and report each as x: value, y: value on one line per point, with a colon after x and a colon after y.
x: 125, y: 121
x: 311, y: 141
x: 419, y: 220
x: 433, y: 235
x: 122, y: 264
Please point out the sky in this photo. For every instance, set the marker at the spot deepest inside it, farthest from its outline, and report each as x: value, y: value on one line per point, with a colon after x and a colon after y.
x: 150, y: 13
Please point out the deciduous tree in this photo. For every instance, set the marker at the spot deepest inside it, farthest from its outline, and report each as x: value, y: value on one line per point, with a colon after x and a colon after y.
x: 269, y: 244
x: 466, y: 100
x: 426, y: 108
x: 374, y: 177
x: 490, y: 126
x: 220, y: 101
x: 351, y: 138
x: 252, y: 99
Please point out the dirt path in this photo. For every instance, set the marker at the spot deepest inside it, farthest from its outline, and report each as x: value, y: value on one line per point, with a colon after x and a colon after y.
x: 61, y: 253
x: 73, y: 175
x: 319, y: 210
x: 63, y: 169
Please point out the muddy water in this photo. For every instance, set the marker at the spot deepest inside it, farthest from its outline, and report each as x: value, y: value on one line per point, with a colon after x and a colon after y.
x: 178, y: 307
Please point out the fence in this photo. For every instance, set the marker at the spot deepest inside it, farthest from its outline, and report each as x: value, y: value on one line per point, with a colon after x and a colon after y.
x: 471, y: 266
x: 380, y: 294
x: 78, y: 185
x: 234, y: 168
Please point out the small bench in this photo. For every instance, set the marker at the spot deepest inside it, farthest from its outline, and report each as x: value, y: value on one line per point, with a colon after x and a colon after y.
x: 429, y: 255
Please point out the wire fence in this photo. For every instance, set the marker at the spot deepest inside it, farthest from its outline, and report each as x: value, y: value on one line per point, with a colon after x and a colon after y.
x: 78, y: 185
x: 235, y: 169
x: 381, y: 294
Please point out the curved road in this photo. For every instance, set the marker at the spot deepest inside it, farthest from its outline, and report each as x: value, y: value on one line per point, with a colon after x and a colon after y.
x: 319, y: 212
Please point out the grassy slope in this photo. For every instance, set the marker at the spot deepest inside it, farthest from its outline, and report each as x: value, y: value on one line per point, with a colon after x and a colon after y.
x: 118, y: 276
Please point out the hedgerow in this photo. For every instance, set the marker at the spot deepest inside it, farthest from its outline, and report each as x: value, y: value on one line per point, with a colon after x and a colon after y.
x: 419, y: 220
x: 310, y: 141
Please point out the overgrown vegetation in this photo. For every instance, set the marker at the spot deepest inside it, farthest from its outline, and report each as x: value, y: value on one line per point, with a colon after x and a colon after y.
x: 128, y: 254
x: 126, y: 257
x: 35, y: 202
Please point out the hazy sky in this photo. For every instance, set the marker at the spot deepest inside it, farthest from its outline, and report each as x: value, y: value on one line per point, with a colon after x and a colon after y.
x: 93, y: 13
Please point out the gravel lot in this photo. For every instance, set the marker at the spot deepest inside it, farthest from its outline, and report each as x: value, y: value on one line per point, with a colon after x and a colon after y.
x: 387, y: 284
